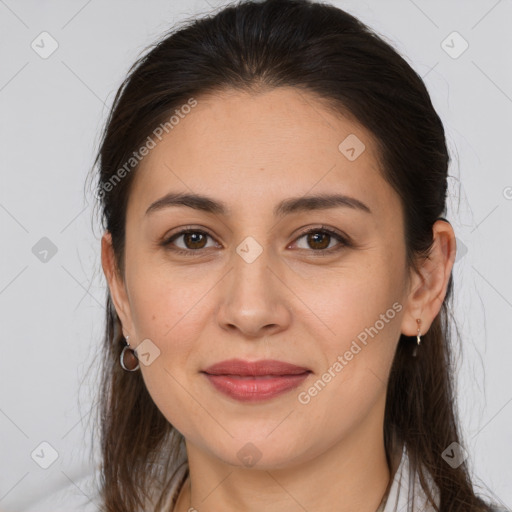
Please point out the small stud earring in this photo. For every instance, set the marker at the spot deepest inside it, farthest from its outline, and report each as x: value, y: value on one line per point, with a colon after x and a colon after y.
x: 418, y: 338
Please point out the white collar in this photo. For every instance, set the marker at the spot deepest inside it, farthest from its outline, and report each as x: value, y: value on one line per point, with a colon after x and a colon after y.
x: 404, y: 495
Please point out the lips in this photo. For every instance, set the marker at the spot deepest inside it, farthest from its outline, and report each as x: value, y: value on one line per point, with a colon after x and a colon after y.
x: 264, y: 367
x: 247, y: 381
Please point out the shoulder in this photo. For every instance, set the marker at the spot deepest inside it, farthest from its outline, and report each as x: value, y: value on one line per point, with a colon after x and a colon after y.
x: 83, y: 494
x: 406, y: 492
x: 176, y: 484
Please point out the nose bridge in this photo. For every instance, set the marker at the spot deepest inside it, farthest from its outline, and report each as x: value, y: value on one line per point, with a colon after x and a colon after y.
x: 251, y: 268
x: 253, y: 301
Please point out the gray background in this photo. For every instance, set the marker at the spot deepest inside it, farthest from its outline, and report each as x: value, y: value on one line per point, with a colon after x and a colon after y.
x: 52, y: 110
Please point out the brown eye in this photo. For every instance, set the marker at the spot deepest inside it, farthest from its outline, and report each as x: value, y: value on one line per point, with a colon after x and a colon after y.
x: 319, y: 240
x: 192, y: 241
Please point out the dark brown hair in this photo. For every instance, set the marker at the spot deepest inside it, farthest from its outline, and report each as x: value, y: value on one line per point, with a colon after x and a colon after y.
x: 321, y: 50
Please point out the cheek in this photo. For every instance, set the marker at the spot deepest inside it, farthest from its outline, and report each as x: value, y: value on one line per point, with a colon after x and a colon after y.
x: 165, y: 304
x: 352, y: 299
x: 360, y: 312
x: 169, y: 312
x: 364, y: 319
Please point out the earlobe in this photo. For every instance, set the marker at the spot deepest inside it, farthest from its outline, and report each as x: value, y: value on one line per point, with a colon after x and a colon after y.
x: 429, y: 285
x: 115, y: 283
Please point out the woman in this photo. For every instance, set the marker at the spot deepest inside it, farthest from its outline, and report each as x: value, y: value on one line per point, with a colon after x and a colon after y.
x: 272, y: 183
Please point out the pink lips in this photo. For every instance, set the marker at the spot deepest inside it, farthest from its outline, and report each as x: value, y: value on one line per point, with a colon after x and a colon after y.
x: 254, y: 381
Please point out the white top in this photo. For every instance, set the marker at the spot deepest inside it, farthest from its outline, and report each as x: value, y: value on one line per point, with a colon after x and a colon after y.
x: 404, y: 492
x: 400, y: 497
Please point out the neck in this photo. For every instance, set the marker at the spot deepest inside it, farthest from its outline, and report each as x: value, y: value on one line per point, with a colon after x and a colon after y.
x: 350, y: 475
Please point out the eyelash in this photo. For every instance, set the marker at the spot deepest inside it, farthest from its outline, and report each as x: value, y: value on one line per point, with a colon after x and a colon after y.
x: 345, y: 242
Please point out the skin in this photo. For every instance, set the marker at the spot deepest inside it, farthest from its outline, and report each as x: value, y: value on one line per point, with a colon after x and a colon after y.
x: 289, y: 304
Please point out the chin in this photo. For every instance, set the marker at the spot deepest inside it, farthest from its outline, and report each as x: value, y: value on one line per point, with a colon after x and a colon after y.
x: 263, y: 453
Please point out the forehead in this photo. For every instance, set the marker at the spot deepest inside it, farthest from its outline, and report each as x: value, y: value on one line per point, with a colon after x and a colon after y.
x: 252, y: 147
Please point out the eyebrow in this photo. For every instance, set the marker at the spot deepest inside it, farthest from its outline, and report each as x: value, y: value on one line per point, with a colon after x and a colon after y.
x: 285, y: 207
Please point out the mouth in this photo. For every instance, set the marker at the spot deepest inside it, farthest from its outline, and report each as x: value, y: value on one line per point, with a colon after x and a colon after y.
x: 255, y: 381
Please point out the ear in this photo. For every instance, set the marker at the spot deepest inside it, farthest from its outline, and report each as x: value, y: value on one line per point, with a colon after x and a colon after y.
x: 116, y: 284
x: 428, y: 285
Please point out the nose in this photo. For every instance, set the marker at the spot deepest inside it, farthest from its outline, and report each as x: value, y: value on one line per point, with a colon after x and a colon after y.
x: 254, y: 298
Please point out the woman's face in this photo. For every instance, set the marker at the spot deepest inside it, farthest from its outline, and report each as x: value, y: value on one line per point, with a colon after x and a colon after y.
x: 250, y: 284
